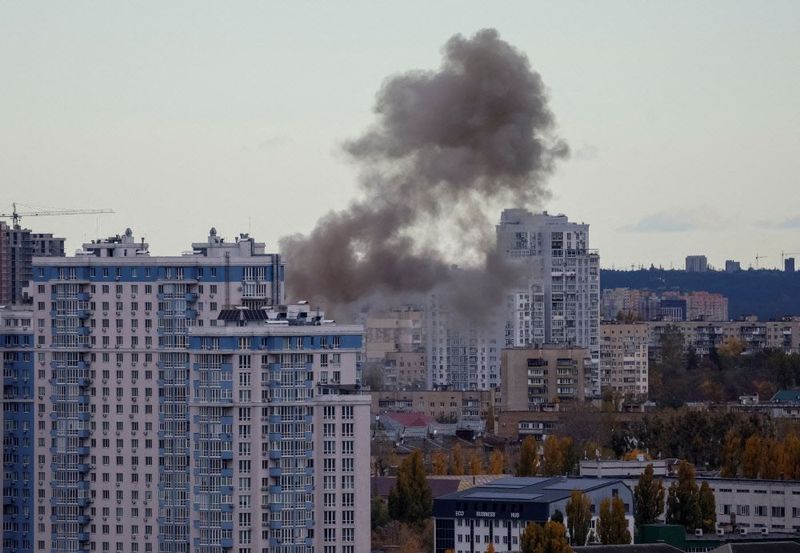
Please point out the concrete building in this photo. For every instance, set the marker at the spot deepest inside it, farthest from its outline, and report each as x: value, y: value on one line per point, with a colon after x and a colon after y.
x: 696, y: 264
x: 535, y: 377
x: 772, y: 505
x: 788, y: 264
x: 18, y: 247
x: 706, y: 306
x: 405, y: 370
x: 438, y: 404
x: 560, y: 302
x: 462, y: 354
x: 624, y: 364
x: 557, y: 303
x: 395, y: 330
x: 497, y: 512
x: 19, y: 425
x: 754, y: 335
x: 732, y: 266
x: 156, y: 380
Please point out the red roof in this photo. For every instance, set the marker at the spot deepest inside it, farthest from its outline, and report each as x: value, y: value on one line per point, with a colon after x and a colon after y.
x: 410, y: 419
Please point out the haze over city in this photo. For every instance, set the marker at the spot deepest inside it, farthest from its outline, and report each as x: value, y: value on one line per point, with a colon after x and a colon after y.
x: 683, y: 128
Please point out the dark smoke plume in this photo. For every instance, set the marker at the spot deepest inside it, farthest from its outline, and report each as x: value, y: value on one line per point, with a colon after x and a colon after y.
x: 446, y: 145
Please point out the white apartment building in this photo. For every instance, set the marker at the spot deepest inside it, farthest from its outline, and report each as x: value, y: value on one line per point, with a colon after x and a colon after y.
x: 149, y: 413
x: 559, y: 303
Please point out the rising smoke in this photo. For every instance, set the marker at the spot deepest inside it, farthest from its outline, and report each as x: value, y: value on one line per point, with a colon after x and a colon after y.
x: 446, y: 146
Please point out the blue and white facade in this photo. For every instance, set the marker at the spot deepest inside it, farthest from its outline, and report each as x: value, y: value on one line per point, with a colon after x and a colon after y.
x: 16, y: 348
x: 125, y: 460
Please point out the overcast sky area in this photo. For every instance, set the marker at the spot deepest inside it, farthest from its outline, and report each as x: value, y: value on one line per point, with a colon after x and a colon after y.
x: 683, y: 117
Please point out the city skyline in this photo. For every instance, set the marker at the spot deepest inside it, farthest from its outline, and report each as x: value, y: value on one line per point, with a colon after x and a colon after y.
x: 139, y: 111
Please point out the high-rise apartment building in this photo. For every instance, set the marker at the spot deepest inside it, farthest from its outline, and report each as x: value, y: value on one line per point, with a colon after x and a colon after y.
x: 696, y: 263
x: 559, y: 303
x: 18, y: 247
x: 624, y: 364
x: 181, y: 407
x: 462, y: 353
x: 393, y: 330
x: 16, y: 348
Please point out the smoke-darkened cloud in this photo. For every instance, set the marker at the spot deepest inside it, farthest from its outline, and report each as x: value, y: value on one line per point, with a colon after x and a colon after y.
x: 445, y: 144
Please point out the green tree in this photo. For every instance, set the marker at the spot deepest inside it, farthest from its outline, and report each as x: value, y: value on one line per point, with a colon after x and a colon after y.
x: 683, y: 505
x: 528, y: 459
x: 379, y: 514
x: 410, y: 499
x: 708, y: 507
x: 579, y: 516
x: 612, y: 526
x: 648, y: 497
x: 551, y: 538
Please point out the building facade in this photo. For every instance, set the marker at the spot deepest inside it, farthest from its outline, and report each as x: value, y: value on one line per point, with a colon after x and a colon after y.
x: 624, y: 360
x: 754, y: 335
x: 437, y: 404
x: 19, y: 424
x: 395, y: 330
x: 534, y: 377
x: 696, y: 263
x: 150, y: 414
x: 18, y: 247
x: 751, y: 504
x: 497, y: 512
x: 560, y: 301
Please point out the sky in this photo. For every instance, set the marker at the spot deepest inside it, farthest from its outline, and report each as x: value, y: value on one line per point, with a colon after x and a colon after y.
x: 683, y: 117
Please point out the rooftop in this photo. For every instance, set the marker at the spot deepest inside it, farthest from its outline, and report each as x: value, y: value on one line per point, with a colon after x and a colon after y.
x: 532, y: 489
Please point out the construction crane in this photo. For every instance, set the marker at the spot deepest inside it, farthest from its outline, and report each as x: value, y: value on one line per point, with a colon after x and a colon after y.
x: 759, y: 257
x: 784, y: 254
x: 16, y: 216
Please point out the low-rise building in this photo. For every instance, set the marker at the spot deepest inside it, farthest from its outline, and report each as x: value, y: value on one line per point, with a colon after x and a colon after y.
x: 437, y: 404
x: 750, y: 505
x: 497, y: 512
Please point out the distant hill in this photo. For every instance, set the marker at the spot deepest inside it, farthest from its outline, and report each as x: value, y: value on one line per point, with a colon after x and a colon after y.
x: 766, y: 293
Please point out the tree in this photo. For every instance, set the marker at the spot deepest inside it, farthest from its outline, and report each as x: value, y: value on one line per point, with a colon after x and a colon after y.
x: 410, y: 499
x: 439, y: 463
x: 497, y: 462
x: 579, y: 516
x: 490, y: 549
x: 476, y: 463
x: 752, y: 457
x: 648, y: 497
x: 557, y: 456
x: 731, y: 455
x: 683, y: 505
x: 528, y: 459
x: 557, y: 516
x: 708, y: 508
x: 490, y: 419
x: 612, y: 526
x: 379, y: 513
x: 791, y: 458
x: 456, y: 461
x: 552, y: 538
